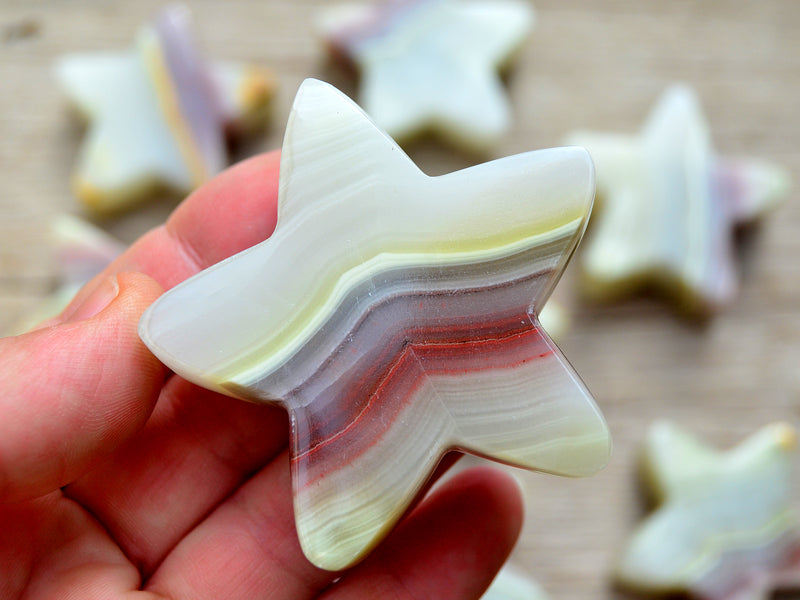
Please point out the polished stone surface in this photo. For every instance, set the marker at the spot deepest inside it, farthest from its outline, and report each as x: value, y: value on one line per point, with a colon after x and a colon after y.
x: 395, y: 316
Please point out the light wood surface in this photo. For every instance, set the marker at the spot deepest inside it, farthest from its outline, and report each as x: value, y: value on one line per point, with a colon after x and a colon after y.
x: 597, y: 64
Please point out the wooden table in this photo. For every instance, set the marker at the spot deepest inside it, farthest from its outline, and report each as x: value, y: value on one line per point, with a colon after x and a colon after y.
x: 597, y: 64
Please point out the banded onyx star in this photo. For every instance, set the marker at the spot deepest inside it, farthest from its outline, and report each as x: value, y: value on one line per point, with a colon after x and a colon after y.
x: 394, y: 316
x: 724, y: 527
x: 158, y: 114
x: 432, y: 65
x: 669, y: 207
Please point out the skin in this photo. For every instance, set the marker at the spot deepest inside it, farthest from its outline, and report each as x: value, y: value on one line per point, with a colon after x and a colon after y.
x: 119, y: 479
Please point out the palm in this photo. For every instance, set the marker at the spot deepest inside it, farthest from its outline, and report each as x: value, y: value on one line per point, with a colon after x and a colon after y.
x: 192, y: 499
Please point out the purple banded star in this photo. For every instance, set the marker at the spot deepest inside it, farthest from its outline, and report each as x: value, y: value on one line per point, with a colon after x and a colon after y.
x: 395, y: 316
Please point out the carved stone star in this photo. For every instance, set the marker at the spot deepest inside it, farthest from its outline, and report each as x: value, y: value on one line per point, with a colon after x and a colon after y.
x: 669, y: 207
x: 394, y: 316
x: 157, y: 114
x: 724, y: 528
x: 432, y: 65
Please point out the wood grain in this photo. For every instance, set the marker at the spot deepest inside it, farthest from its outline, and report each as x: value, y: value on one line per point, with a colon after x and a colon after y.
x: 597, y: 64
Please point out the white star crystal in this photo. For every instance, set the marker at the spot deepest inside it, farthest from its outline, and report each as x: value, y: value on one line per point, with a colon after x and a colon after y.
x: 724, y: 528
x: 433, y: 64
x: 157, y: 114
x: 668, y: 207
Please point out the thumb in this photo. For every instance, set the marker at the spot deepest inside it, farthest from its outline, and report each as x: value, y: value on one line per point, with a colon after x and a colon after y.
x: 74, y: 391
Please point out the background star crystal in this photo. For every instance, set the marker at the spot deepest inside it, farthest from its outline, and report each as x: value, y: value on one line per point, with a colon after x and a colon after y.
x: 158, y: 114
x: 669, y: 207
x: 432, y: 64
x: 723, y: 528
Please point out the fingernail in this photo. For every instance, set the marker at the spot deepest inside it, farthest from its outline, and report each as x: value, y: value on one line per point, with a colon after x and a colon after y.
x: 99, y: 299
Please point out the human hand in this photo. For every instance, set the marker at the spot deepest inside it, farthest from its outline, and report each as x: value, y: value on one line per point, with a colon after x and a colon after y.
x: 118, y: 476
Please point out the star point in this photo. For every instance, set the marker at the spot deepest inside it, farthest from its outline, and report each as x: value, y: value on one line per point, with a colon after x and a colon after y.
x: 395, y: 316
